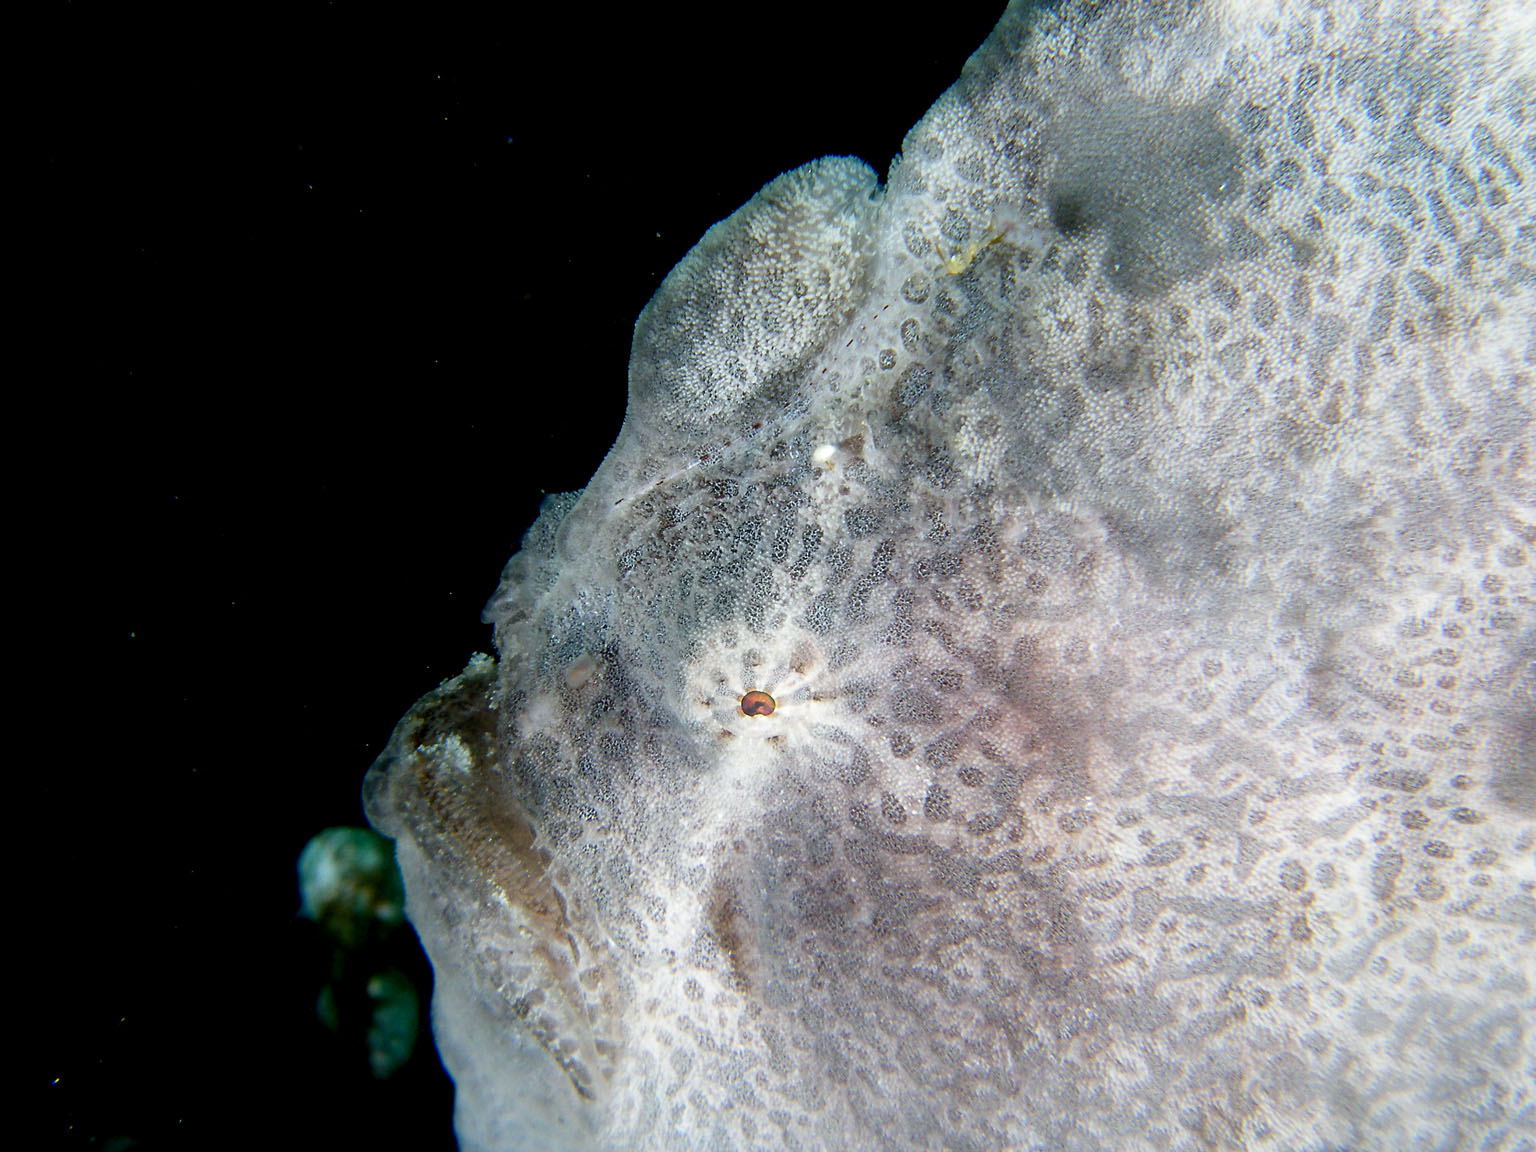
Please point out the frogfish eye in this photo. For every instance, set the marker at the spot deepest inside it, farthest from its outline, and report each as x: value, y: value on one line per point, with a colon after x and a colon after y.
x: 756, y: 703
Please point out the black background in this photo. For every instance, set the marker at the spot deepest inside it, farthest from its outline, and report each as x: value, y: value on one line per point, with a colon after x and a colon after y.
x: 332, y: 294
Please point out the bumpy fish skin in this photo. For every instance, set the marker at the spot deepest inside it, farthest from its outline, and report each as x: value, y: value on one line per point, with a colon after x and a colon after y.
x: 1130, y: 512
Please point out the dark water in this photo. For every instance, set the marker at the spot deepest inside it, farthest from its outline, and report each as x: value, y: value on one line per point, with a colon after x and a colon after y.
x: 329, y: 300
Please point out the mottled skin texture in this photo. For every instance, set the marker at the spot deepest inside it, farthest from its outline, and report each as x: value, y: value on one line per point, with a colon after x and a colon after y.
x: 1131, y: 512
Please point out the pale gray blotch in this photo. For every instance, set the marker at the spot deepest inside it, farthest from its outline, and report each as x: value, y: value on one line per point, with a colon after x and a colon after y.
x: 1130, y: 509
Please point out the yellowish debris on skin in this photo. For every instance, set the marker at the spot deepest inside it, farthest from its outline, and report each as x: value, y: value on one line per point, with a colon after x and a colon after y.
x: 1007, y: 225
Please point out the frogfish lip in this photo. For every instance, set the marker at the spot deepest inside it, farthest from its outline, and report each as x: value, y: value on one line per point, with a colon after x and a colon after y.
x: 441, y: 791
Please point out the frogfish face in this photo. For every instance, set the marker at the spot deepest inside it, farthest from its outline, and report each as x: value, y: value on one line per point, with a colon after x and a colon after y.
x: 1050, y: 660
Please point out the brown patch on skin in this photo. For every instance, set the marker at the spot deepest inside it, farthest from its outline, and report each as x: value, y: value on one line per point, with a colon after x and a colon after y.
x: 802, y: 661
x: 727, y: 924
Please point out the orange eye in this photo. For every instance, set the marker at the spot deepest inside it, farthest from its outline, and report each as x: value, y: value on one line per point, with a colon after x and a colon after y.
x: 757, y: 704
